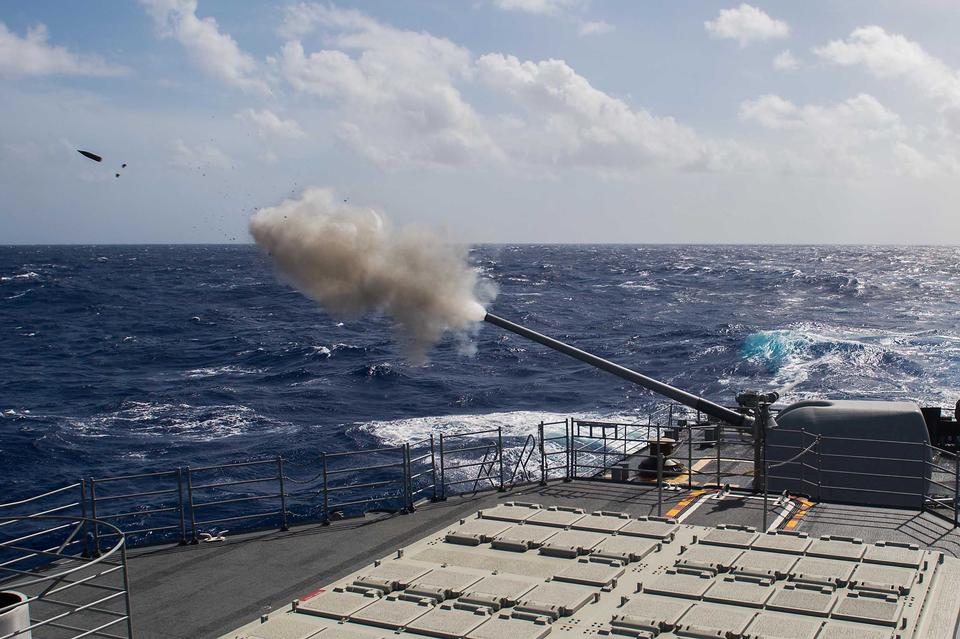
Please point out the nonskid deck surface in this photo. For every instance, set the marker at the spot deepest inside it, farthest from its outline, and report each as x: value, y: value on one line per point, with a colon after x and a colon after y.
x: 526, y: 571
x: 205, y: 591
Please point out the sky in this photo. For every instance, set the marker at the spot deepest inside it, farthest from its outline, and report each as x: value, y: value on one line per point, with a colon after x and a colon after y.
x: 492, y: 120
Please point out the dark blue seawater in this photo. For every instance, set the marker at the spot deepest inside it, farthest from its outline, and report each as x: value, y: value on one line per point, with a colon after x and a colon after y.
x: 127, y: 359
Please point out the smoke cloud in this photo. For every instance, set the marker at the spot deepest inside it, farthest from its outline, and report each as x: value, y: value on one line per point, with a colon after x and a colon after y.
x: 353, y: 262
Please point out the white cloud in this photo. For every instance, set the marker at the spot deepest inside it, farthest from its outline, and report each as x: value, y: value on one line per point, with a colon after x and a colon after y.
x: 198, y: 157
x: 32, y: 54
x: 853, y: 138
x: 215, y: 53
x: 300, y: 19
x: 887, y: 55
x: 860, y: 112
x: 746, y: 24
x: 270, y: 125
x: 396, y: 90
x: 594, y: 27
x: 570, y: 123
x: 541, y: 7
x: 398, y: 96
x: 568, y: 10
x: 785, y: 61
x: 915, y: 164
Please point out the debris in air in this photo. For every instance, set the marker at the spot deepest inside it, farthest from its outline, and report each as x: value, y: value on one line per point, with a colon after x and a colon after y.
x: 97, y: 158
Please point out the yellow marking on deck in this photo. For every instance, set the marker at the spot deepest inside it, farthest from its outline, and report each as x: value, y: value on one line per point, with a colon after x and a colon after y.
x: 686, y: 477
x: 805, y: 506
x: 683, y: 503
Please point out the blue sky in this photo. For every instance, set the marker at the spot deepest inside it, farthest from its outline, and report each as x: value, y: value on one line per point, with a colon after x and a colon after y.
x: 496, y: 120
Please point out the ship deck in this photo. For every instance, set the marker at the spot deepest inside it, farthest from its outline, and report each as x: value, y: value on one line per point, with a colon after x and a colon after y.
x: 210, y: 589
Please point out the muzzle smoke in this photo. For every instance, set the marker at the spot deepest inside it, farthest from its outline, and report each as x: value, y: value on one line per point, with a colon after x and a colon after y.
x: 351, y: 261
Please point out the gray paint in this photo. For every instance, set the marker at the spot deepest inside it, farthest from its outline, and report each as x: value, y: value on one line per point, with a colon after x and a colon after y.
x: 871, y: 452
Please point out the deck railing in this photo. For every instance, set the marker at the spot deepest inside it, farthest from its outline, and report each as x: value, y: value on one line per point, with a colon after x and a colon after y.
x: 52, y: 585
x: 192, y: 504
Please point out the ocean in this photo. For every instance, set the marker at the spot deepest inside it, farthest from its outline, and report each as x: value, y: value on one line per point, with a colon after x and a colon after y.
x: 127, y: 359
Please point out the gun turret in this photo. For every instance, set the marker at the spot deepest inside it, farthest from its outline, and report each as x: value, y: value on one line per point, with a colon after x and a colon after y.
x: 717, y: 411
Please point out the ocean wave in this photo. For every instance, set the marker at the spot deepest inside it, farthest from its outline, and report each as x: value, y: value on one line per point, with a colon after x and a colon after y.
x: 513, y: 424
x: 482, y: 430
x: 228, y: 370
x: 843, y: 322
x: 29, y: 275
x: 636, y: 285
x: 833, y: 358
x: 384, y: 370
x: 176, y: 422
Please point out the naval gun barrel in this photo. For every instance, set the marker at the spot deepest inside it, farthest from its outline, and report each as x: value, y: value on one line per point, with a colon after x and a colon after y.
x: 717, y: 411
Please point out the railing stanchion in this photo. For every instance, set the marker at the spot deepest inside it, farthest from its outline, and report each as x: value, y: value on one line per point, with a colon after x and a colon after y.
x: 180, y: 507
x: 659, y: 474
x: 326, y: 498
x: 956, y: 486
x: 763, y: 433
x: 193, y: 513
x: 93, y: 514
x: 443, y: 472
x: 126, y: 584
x: 283, y: 495
x: 500, y: 455
x: 689, y: 455
x: 405, y: 469
x: 626, y: 436
x: 923, y: 477
x: 819, y: 469
x: 410, y: 484
x: 83, y: 515
x: 605, y: 464
x: 803, y: 458
x: 433, y: 468
x: 716, y: 440
x: 543, y: 456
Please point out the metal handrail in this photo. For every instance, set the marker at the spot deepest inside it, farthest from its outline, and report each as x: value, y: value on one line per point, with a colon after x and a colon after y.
x: 60, y: 571
x: 275, y: 465
x: 521, y: 464
x: 165, y: 501
x: 34, y: 498
x: 482, y: 473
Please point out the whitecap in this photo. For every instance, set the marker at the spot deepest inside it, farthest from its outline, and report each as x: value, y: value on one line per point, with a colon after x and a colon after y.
x: 228, y: 370
x: 515, y: 427
x: 630, y: 284
x: 183, y: 422
x: 29, y: 275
